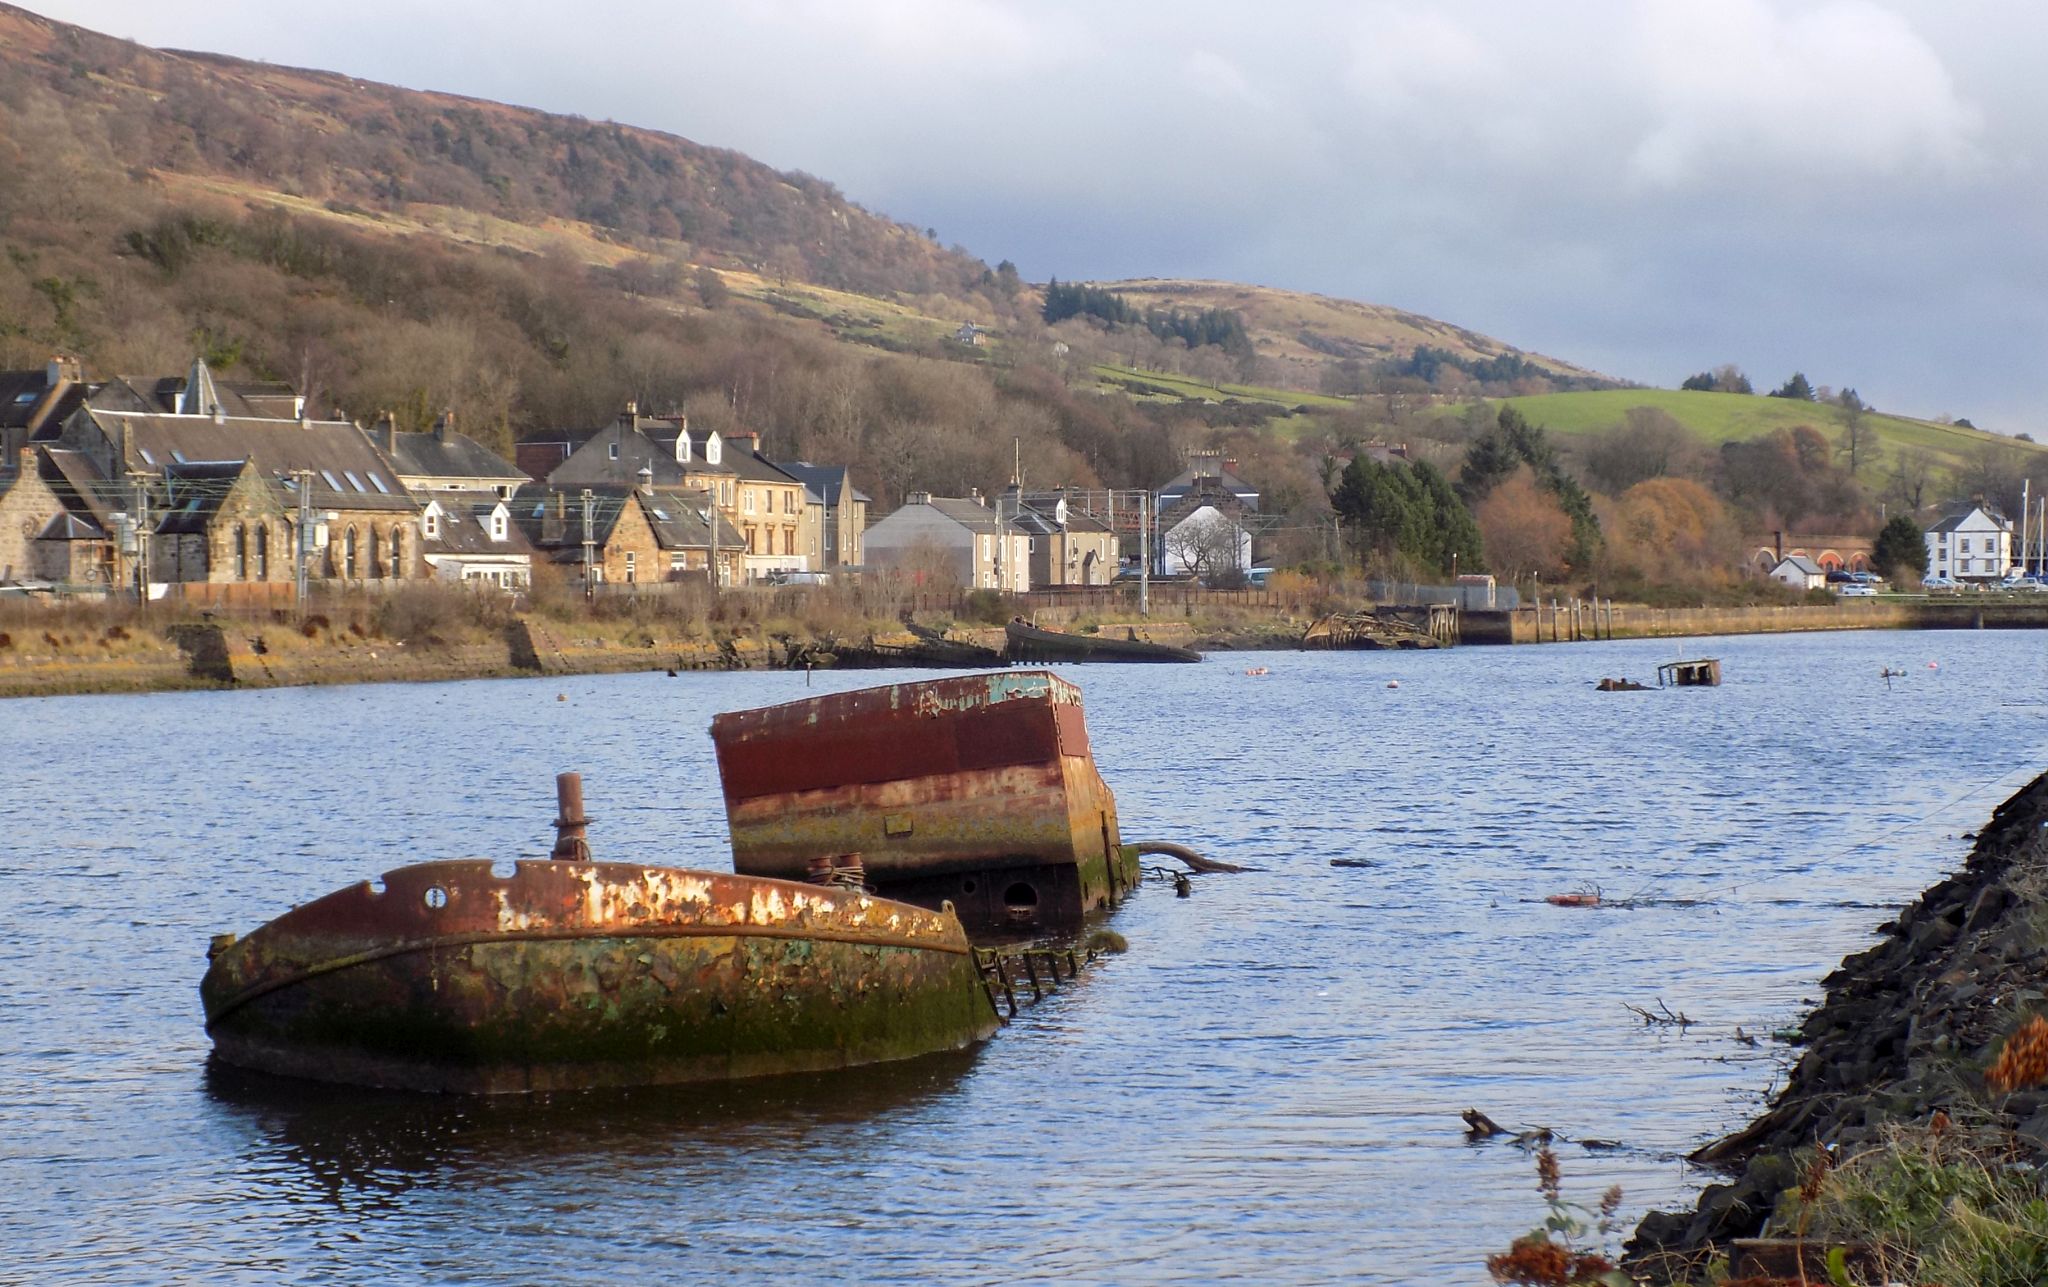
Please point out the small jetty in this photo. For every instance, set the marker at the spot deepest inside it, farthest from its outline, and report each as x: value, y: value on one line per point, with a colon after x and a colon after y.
x: 1027, y: 644
x: 1703, y: 672
x: 976, y: 793
x: 1384, y: 628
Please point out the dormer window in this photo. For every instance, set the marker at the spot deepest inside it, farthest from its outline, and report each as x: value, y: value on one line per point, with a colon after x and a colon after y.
x: 498, y: 524
x: 430, y: 523
x: 683, y: 448
x: 615, y: 451
x: 713, y: 448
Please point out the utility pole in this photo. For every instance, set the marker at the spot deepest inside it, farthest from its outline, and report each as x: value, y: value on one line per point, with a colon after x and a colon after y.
x: 1144, y: 556
x: 711, y: 517
x: 589, y: 548
x: 304, y: 481
x: 140, y: 508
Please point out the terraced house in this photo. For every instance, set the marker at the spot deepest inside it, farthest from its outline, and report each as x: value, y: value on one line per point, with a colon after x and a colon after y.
x: 189, y: 480
x: 778, y: 519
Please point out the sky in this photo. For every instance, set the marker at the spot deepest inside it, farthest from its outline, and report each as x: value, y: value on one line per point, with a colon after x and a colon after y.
x: 1854, y: 189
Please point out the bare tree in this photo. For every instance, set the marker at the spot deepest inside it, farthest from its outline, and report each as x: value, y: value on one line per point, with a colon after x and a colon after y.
x: 1859, y: 440
x: 1209, y: 545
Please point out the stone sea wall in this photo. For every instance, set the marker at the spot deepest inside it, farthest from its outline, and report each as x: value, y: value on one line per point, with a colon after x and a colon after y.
x: 1906, y: 1029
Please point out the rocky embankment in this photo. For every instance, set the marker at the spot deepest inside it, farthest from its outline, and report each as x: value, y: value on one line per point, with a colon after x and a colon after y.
x: 1906, y: 1030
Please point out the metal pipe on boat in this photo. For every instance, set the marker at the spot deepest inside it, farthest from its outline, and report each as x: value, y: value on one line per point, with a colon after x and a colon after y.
x: 571, y: 825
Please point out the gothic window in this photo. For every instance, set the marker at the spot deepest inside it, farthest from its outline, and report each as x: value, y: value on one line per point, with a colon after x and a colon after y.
x: 349, y: 554
x: 241, y: 552
x: 262, y: 552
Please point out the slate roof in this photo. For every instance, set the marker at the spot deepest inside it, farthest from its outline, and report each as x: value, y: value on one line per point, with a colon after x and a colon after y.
x: 972, y: 515
x: 1803, y: 564
x: 25, y: 401
x: 466, y: 526
x: 1955, y: 516
x: 592, y: 464
x: 347, y: 472
x: 194, y: 493
x: 676, y: 517
x: 79, y: 487
x: 827, y: 482
x: 448, y: 455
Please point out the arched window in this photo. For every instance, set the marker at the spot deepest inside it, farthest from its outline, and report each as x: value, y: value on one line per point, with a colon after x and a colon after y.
x: 348, y: 567
x: 262, y: 552
x: 397, y: 551
x: 241, y: 552
x: 375, y: 569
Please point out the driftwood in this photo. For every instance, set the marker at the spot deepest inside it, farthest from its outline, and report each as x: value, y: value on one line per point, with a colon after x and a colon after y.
x: 1194, y: 861
x: 1663, y: 1014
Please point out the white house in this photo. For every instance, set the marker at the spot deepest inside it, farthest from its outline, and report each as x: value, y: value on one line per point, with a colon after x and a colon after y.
x: 948, y: 538
x: 1800, y: 572
x: 1970, y: 542
x: 469, y: 537
x: 1206, y: 543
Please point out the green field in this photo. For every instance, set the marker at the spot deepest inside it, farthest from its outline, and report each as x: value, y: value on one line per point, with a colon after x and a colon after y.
x: 1723, y: 417
x: 1188, y: 387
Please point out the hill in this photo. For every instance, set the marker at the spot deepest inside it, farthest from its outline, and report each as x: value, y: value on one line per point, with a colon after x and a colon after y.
x: 1715, y: 418
x: 338, y: 142
x: 1315, y: 342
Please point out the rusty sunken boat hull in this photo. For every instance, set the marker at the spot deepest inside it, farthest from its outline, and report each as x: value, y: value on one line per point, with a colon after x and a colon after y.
x: 979, y: 791
x: 573, y: 975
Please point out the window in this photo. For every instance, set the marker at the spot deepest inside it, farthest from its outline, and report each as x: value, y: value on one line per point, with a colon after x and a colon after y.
x: 241, y: 553
x: 498, y: 525
x: 1965, y: 546
x: 789, y: 502
x: 629, y: 567
x: 375, y: 568
x: 262, y: 552
x: 333, y: 483
x: 430, y: 523
x: 378, y: 483
x: 397, y: 552
x: 349, y: 555
x: 747, y: 500
x: 615, y: 451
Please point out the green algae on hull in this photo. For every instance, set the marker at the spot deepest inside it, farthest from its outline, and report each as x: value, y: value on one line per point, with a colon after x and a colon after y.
x: 573, y: 975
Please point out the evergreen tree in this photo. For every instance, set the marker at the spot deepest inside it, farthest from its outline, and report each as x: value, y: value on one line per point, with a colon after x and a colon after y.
x: 1512, y: 443
x: 1900, y: 547
x: 1407, y: 512
x: 1795, y: 388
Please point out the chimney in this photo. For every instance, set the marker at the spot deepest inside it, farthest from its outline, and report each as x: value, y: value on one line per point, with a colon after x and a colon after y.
x: 1778, y: 544
x: 387, y: 431
x: 1229, y: 464
x: 745, y: 441
x: 220, y: 417
x: 917, y: 498
x: 444, y: 424
x: 646, y: 477
x: 974, y: 494
x: 632, y: 410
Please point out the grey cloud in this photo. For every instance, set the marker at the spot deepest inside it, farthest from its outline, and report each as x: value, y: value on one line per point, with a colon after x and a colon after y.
x: 1846, y: 187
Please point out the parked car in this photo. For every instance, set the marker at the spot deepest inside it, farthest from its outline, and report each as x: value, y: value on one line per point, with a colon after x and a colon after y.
x: 1842, y: 576
x: 1855, y: 592
x: 1939, y: 585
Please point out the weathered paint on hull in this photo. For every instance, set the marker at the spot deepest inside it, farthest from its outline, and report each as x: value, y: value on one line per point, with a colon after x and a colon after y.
x: 575, y: 975
x: 979, y: 790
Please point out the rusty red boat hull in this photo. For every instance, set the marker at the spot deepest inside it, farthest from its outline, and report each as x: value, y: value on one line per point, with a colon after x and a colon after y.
x: 572, y: 975
x: 978, y: 790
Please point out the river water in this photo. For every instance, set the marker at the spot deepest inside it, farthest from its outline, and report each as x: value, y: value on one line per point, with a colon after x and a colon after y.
x: 1266, y: 1088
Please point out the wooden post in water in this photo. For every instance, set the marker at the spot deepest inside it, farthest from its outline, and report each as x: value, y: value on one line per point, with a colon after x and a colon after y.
x: 571, y: 825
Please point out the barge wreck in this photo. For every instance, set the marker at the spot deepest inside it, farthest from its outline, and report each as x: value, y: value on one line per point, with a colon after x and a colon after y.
x: 574, y: 975
x: 978, y: 792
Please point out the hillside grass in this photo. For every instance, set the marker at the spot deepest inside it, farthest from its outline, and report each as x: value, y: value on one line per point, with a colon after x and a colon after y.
x: 1716, y: 418
x: 1189, y: 387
